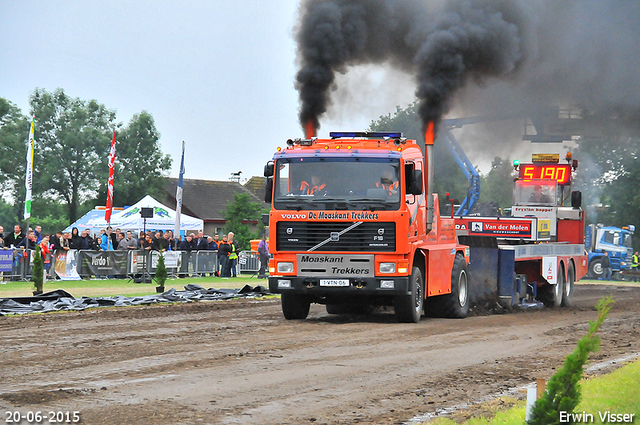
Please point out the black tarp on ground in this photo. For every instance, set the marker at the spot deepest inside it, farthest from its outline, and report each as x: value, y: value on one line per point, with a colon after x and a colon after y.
x: 60, y: 300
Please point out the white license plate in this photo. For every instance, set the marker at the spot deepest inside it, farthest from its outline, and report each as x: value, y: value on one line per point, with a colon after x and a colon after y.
x: 334, y: 282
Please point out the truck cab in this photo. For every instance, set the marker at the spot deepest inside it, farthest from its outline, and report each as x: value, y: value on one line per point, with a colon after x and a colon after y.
x: 616, y: 241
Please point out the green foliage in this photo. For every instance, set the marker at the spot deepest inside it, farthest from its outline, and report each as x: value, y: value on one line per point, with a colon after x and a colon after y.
x: 72, y: 144
x: 140, y: 163
x: 161, y: 271
x: 448, y: 177
x: 563, y: 390
x: 497, y: 185
x: 37, y: 274
x: 241, y: 214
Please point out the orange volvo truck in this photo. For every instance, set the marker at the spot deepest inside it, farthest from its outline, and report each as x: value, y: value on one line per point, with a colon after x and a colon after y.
x: 354, y: 223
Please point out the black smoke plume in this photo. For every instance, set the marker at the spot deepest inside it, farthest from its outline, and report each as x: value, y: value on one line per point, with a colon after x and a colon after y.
x: 444, y: 46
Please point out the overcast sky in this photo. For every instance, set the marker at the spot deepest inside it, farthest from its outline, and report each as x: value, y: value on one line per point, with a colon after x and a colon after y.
x: 217, y: 74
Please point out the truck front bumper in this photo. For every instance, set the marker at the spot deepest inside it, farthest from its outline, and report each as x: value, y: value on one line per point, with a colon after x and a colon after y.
x: 366, y: 286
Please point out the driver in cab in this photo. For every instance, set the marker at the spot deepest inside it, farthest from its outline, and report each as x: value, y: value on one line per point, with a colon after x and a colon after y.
x: 315, y: 187
x: 538, y: 197
x: 387, y: 182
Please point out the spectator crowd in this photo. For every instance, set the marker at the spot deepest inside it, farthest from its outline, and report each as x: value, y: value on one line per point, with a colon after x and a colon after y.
x: 227, y: 248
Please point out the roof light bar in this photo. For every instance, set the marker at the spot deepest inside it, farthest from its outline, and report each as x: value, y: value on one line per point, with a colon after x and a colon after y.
x: 370, y: 134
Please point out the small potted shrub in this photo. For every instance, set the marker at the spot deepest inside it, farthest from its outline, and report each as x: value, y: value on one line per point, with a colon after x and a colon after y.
x: 37, y: 274
x: 161, y: 273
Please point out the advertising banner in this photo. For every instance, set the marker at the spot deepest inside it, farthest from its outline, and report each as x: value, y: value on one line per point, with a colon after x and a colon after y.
x: 524, y: 228
x: 104, y: 263
x: 6, y: 260
x: 66, y: 265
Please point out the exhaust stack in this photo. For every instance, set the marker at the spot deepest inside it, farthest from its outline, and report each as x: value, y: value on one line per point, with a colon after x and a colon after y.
x: 309, y: 130
x: 428, y: 157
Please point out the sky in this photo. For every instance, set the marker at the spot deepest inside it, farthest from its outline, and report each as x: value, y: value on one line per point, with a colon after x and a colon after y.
x: 217, y: 74
x: 220, y: 74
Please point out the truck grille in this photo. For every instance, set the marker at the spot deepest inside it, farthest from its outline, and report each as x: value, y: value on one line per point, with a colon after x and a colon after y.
x: 363, y: 237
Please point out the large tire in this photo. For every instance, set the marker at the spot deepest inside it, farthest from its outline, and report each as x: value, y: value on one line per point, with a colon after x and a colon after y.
x: 295, y: 306
x: 567, y: 294
x: 596, y: 271
x: 408, y: 308
x: 456, y: 304
x: 552, y: 294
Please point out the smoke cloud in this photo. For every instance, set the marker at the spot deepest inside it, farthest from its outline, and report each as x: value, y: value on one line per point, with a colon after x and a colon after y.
x: 444, y: 46
x: 481, y: 57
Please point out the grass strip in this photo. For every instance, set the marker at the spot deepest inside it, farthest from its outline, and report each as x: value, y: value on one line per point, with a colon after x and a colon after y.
x: 617, y: 392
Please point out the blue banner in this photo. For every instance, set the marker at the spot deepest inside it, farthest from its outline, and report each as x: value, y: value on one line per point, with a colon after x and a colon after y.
x: 6, y: 260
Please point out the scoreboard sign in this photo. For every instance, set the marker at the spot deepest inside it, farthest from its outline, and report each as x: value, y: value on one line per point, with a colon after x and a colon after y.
x: 558, y: 172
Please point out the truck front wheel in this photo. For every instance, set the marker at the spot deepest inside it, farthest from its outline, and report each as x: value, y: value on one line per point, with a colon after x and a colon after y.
x: 295, y: 306
x: 596, y: 271
x: 552, y: 294
x: 456, y: 304
x: 408, y: 308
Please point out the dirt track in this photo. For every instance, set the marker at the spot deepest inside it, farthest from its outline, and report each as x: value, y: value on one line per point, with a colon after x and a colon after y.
x: 240, y: 362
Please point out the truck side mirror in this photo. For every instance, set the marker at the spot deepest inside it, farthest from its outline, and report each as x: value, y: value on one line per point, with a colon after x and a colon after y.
x: 265, y: 219
x: 414, y: 186
x: 268, y: 188
x: 576, y: 199
x: 268, y: 169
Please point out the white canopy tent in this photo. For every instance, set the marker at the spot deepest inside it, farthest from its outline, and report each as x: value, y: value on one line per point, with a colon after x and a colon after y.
x: 164, y: 218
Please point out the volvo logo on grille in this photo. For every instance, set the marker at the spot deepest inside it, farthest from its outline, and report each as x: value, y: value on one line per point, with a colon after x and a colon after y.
x: 381, y: 231
x: 335, y: 236
x: 289, y: 230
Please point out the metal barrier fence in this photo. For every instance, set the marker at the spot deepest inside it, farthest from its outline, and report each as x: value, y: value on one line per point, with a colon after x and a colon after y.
x: 77, y: 264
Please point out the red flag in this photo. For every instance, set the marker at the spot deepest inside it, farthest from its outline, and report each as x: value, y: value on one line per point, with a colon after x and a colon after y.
x: 112, y: 159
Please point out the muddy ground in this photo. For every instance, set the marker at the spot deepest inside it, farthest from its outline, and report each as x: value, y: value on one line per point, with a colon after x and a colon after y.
x: 240, y: 362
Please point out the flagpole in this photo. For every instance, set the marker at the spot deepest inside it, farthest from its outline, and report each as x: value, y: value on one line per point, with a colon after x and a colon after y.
x: 28, y: 180
x: 112, y: 158
x: 176, y: 232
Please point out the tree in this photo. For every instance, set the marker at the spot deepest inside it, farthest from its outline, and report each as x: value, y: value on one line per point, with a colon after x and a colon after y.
x: 14, y: 131
x: 497, y: 185
x: 448, y: 177
x: 72, y: 141
x: 140, y: 163
x: 240, y: 216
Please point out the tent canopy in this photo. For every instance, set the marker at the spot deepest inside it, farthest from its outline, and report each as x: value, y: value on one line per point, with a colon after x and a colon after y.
x: 164, y: 218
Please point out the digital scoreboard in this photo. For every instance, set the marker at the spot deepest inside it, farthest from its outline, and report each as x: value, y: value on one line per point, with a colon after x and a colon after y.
x: 558, y: 172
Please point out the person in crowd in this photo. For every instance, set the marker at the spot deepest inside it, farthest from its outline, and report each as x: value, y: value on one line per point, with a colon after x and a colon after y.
x: 212, y: 256
x: 606, y: 266
x: 65, y: 241
x: 55, y: 241
x: 114, y: 237
x: 14, y: 239
x: 29, y: 242
x: 129, y: 242
x: 46, y: 252
x: 38, y: 232
x: 75, y: 242
x: 232, y: 250
x: 84, y: 240
x: 202, y: 246
x: 263, y: 252
x: 634, y: 265
x: 168, y: 235
x: 122, y: 243
x: 106, y: 243
x: 185, y: 247
x: 222, y: 255
x: 159, y: 242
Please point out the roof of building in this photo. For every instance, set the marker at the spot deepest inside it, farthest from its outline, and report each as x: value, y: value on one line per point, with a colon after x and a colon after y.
x: 205, y: 199
x: 256, y: 186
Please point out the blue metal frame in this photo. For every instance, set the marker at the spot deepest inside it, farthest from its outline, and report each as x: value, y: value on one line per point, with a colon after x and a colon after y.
x: 473, y: 194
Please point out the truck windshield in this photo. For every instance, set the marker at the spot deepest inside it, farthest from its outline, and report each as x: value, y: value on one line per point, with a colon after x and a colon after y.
x: 352, y: 183
x: 535, y: 192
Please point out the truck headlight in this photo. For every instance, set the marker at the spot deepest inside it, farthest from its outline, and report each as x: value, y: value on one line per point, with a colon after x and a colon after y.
x: 285, y: 267
x: 387, y: 267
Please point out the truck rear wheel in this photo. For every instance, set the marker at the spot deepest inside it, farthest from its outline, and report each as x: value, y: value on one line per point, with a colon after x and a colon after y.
x: 408, y: 308
x: 456, y: 304
x: 295, y: 306
x: 567, y: 295
x: 552, y: 294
